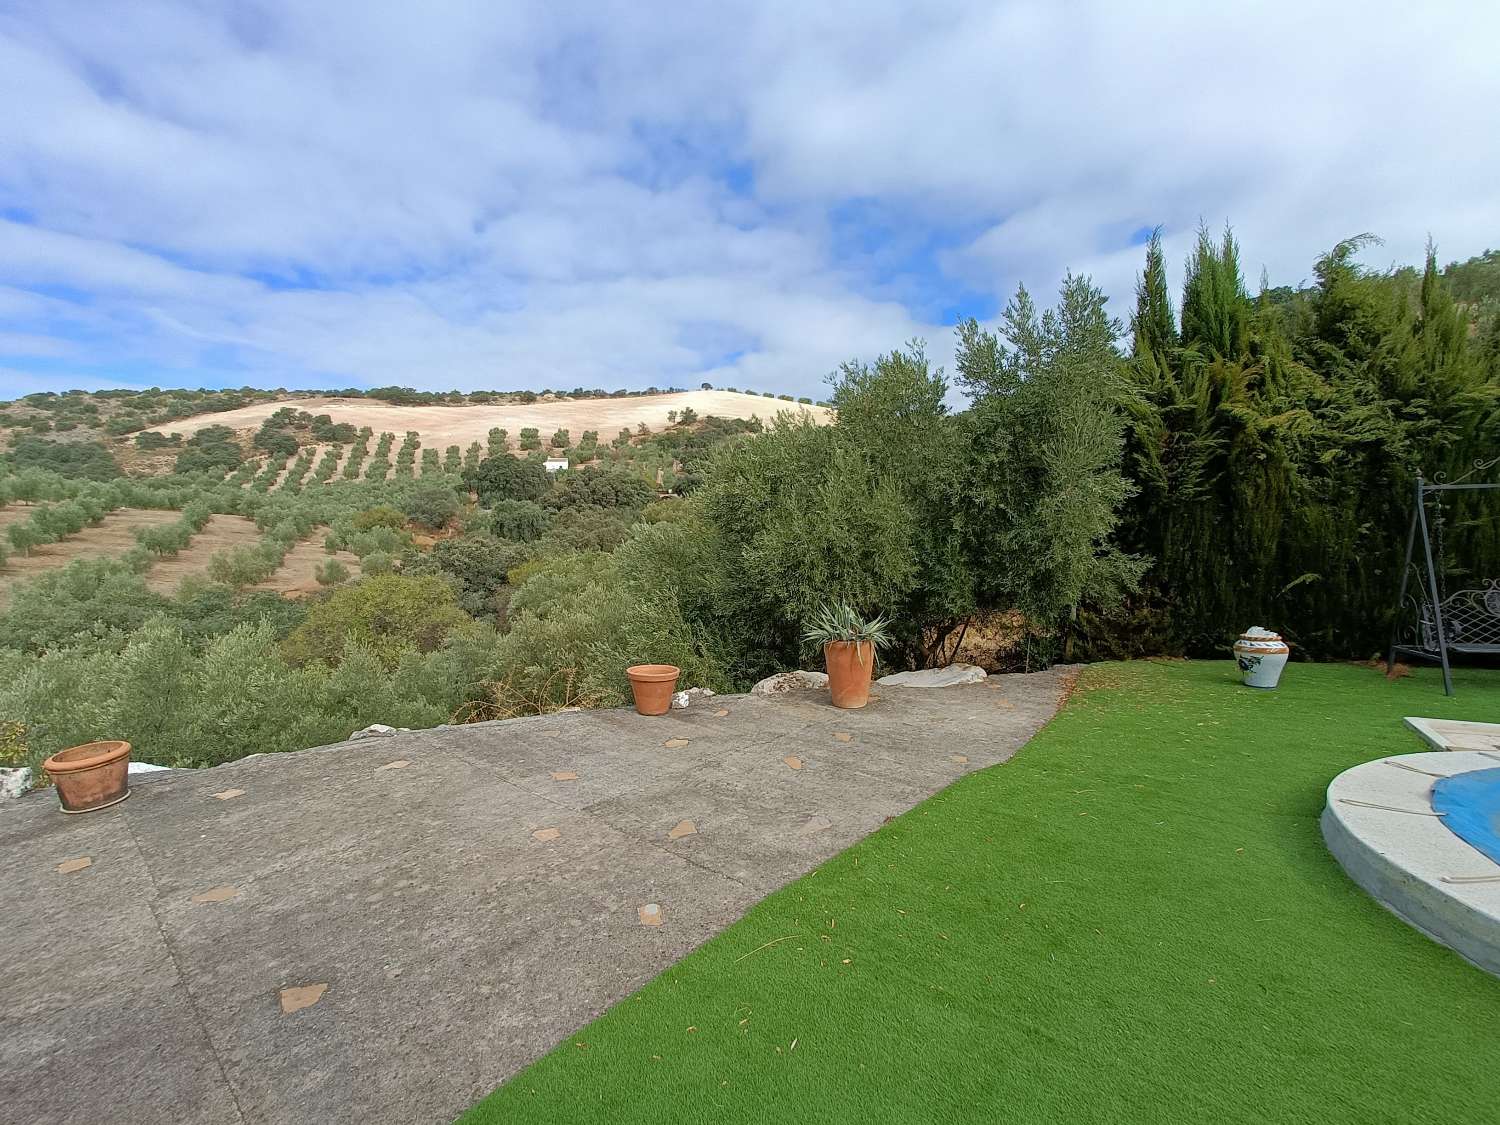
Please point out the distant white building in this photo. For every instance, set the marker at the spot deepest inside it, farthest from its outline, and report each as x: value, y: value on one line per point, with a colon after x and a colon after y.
x: 553, y: 464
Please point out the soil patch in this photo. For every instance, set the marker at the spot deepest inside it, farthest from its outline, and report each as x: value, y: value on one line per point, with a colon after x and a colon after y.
x: 298, y: 576
x: 219, y: 534
x: 114, y: 536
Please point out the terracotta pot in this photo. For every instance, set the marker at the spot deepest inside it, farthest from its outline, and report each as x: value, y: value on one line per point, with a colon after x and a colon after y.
x: 91, y: 776
x: 850, y: 665
x: 653, y: 685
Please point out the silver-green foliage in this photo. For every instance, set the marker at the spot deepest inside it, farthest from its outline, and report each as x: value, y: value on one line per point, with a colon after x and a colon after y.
x: 1046, y: 432
x: 238, y: 696
x: 840, y: 621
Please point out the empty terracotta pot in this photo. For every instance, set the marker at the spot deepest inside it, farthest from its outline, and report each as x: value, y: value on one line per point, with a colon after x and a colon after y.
x: 91, y: 776
x: 653, y: 685
x: 850, y: 665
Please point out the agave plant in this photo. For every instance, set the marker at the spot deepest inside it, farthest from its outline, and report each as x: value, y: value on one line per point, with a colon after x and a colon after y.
x: 839, y: 621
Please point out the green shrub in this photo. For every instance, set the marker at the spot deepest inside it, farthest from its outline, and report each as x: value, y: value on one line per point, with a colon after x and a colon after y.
x: 381, y: 516
x: 389, y: 615
x: 519, y: 520
x: 375, y: 563
x: 431, y: 504
x: 477, y: 564
x: 598, y: 488
x: 508, y: 478
x: 89, y: 460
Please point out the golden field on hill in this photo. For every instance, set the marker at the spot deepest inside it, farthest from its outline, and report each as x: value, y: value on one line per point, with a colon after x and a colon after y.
x: 460, y: 425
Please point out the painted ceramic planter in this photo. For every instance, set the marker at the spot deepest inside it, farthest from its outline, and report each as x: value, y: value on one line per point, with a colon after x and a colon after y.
x: 653, y: 685
x: 89, y: 777
x: 1261, y: 655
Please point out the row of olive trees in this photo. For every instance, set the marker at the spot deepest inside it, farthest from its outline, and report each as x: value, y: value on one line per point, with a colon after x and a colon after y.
x: 182, y: 704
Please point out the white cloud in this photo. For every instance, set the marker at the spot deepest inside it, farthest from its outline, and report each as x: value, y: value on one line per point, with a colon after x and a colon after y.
x: 459, y: 194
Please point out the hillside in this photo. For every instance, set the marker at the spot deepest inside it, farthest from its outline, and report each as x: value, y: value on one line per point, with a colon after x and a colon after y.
x: 470, y: 422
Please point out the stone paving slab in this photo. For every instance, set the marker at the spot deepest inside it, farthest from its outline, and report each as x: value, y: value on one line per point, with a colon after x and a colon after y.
x: 384, y: 930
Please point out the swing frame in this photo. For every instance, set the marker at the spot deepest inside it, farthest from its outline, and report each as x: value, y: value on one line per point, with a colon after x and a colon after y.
x: 1430, y: 637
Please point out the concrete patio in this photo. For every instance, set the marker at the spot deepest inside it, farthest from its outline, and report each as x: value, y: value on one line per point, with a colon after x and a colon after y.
x: 384, y: 930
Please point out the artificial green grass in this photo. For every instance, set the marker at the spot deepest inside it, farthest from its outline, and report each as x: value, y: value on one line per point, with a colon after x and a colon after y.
x: 1134, y: 920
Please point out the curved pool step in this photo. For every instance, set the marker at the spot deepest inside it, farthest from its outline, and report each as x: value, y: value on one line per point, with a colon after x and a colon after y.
x: 1380, y: 825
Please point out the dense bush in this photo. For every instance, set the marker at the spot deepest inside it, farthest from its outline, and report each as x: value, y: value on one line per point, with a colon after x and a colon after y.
x: 1275, y: 441
x: 212, y: 449
x: 507, y: 478
x: 519, y: 520
x: 431, y: 503
x: 598, y: 488
x: 477, y: 565
x: 388, y: 616
x: 88, y: 460
x: 150, y: 440
x: 179, y: 706
x: 379, y: 516
x: 90, y: 603
x: 587, y: 529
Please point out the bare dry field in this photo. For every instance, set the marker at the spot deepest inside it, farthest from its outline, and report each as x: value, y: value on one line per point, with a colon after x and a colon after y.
x: 442, y: 426
x: 112, y: 537
x: 297, y: 577
x: 219, y: 534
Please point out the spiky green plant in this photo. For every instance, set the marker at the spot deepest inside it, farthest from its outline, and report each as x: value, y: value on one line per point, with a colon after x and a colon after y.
x: 840, y: 621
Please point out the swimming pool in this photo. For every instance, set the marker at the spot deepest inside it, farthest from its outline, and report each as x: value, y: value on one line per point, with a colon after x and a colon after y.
x: 1470, y: 807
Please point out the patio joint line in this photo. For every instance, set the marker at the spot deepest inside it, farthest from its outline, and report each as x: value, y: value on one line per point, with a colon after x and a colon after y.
x: 187, y: 990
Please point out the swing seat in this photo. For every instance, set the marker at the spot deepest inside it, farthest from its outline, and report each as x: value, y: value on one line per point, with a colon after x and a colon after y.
x: 1470, y: 618
x: 1471, y: 623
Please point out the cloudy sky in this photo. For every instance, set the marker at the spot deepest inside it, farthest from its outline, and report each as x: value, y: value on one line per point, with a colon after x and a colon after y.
x: 474, y: 193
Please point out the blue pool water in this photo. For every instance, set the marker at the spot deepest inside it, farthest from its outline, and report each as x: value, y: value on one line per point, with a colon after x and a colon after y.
x: 1470, y: 804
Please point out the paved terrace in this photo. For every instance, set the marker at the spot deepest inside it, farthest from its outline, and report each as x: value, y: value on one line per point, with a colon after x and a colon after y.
x: 384, y: 930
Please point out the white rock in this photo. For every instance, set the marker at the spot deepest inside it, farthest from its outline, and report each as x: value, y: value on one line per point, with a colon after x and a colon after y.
x: 685, y: 698
x: 377, y: 730
x: 14, y: 782
x: 144, y: 767
x: 936, y: 677
x: 784, y: 682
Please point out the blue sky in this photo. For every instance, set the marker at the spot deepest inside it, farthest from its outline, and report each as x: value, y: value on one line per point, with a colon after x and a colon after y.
x: 486, y: 195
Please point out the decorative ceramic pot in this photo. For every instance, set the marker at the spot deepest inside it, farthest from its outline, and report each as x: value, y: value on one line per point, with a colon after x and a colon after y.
x: 849, y: 664
x: 1261, y: 655
x: 91, y: 776
x: 653, y: 685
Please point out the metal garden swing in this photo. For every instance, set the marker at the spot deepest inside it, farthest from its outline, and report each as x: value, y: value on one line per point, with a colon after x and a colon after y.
x: 1431, y: 624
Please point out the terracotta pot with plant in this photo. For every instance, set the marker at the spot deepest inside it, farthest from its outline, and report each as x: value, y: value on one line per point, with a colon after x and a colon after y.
x: 849, y: 644
x: 653, y: 685
x: 91, y: 776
